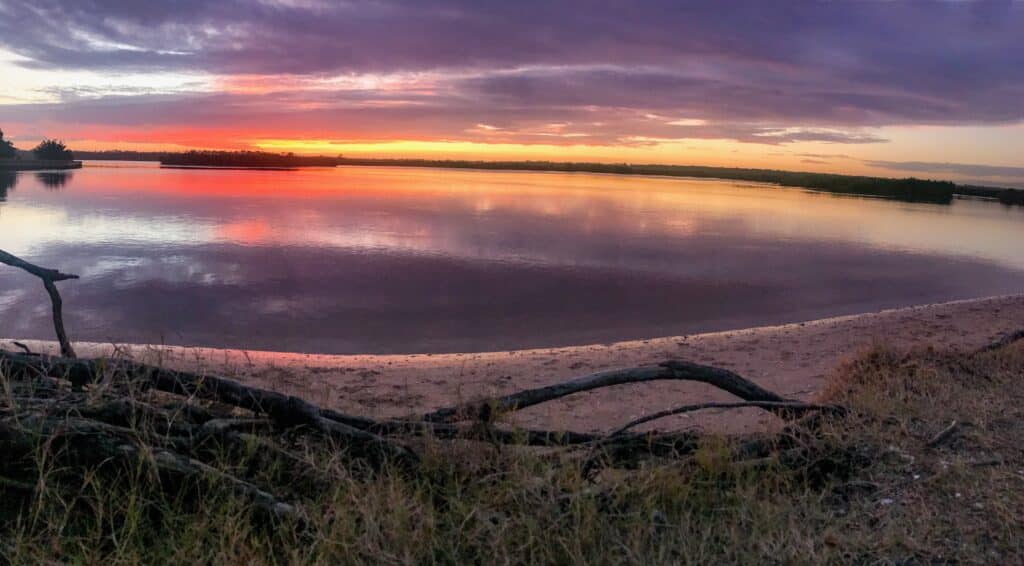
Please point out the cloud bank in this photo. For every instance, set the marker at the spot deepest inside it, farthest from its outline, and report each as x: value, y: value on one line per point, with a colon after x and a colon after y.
x: 528, y: 71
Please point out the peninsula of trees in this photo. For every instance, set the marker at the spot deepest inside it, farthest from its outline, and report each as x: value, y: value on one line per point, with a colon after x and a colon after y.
x: 49, y: 154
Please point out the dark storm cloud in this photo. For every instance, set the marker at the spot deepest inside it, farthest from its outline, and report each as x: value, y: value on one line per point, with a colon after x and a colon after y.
x: 766, y: 72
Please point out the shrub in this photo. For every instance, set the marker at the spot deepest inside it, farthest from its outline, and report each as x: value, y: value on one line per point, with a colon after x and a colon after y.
x: 7, y: 150
x: 52, y: 149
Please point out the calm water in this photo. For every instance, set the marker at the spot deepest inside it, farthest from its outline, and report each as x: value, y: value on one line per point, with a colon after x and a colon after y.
x: 422, y: 260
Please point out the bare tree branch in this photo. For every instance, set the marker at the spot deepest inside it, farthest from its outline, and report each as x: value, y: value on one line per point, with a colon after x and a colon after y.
x: 670, y: 370
x: 49, y: 277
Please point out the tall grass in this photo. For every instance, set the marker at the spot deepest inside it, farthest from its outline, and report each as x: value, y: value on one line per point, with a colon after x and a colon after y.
x: 870, y: 490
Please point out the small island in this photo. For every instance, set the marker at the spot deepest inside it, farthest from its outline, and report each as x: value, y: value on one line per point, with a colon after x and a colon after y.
x: 50, y: 154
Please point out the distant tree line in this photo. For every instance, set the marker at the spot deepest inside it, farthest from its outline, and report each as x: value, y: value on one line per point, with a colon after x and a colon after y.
x: 48, y: 149
x: 245, y: 159
x: 7, y: 150
x: 908, y: 189
x: 911, y: 189
x: 7, y: 181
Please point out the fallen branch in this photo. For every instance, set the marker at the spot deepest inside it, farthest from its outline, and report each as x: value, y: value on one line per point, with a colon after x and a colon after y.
x: 49, y: 278
x: 670, y: 370
x: 786, y: 405
x: 285, y: 410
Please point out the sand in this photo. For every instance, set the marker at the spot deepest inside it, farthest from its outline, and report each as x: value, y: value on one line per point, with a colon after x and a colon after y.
x: 794, y: 360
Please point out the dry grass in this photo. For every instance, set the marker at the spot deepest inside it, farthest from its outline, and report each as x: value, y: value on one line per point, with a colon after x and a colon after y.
x: 867, y: 489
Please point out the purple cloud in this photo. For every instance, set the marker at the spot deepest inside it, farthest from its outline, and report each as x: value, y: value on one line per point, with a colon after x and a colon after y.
x: 619, y: 72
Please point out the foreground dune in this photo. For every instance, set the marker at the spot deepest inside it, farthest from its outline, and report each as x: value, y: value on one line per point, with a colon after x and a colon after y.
x: 794, y: 360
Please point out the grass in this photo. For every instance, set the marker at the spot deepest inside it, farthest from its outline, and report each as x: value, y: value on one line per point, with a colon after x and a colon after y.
x: 868, y: 488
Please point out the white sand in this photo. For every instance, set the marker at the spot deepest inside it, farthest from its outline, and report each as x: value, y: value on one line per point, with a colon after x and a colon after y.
x: 794, y: 360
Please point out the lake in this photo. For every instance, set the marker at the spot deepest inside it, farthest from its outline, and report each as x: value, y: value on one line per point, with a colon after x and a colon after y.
x: 397, y: 260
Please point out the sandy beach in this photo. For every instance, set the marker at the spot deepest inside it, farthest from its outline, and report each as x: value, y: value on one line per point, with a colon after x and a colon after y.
x: 795, y: 360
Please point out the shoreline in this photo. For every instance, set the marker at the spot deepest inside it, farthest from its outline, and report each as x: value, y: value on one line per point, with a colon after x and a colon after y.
x: 907, y: 189
x: 795, y: 360
x: 38, y: 165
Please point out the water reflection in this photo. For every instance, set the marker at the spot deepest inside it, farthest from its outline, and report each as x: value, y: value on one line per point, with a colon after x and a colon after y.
x: 385, y: 260
x: 54, y: 179
x: 7, y: 181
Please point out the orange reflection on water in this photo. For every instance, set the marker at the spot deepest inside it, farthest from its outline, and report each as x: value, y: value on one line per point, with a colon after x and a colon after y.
x: 403, y: 259
x: 401, y: 207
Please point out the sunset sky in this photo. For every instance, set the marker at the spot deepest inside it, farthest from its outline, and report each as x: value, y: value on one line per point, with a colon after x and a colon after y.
x: 929, y: 89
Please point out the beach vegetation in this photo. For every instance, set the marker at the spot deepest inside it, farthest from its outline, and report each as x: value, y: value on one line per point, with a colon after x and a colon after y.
x: 924, y: 469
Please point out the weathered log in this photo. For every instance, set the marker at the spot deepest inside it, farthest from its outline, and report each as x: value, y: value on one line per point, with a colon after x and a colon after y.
x: 671, y: 370
x: 285, y: 410
x: 290, y: 411
x: 279, y: 407
x: 49, y: 278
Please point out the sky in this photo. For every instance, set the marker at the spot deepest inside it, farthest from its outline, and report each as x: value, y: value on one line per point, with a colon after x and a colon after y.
x: 927, y: 89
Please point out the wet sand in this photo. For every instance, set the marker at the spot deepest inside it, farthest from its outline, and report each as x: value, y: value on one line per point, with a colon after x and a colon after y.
x: 794, y: 360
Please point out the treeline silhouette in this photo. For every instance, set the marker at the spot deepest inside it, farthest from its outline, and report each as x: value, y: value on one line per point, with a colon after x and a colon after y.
x: 908, y: 189
x: 245, y: 159
x: 7, y: 181
x: 52, y: 150
x: 7, y: 149
x: 200, y: 158
x: 1005, y: 196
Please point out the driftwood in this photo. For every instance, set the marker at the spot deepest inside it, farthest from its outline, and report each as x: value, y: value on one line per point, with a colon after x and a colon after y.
x: 285, y: 410
x: 49, y: 278
x: 670, y: 370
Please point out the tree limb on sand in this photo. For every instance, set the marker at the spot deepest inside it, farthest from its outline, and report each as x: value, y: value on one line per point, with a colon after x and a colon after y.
x: 724, y: 379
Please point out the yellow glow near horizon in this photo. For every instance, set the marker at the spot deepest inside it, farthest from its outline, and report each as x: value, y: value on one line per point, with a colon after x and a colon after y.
x: 715, y: 152
x: 667, y: 152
